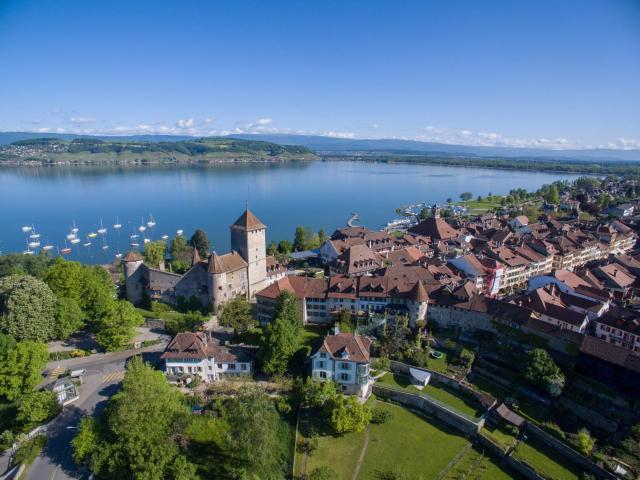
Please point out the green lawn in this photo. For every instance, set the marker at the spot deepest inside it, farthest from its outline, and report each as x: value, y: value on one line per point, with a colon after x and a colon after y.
x: 482, y: 206
x: 438, y: 364
x: 475, y: 465
x: 499, y: 435
x: 546, y: 461
x: 483, y: 383
x: 452, y: 398
x: 418, y: 446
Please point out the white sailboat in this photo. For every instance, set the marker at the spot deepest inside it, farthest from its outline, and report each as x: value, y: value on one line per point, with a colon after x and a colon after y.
x: 180, y: 232
x: 151, y: 223
x: 75, y: 240
x: 147, y: 240
x: 28, y: 251
x: 86, y: 244
x: 165, y: 237
x: 117, y: 225
x: 26, y: 229
x: 74, y: 229
x: 102, y: 230
x: 47, y: 247
x: 34, y: 244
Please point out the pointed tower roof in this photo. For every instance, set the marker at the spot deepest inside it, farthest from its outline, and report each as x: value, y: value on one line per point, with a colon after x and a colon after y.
x: 215, y: 265
x: 249, y: 221
x: 132, y: 257
x: 195, y: 259
x: 419, y: 293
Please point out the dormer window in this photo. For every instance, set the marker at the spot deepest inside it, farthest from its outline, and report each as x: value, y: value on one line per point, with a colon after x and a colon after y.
x: 323, y: 355
x: 344, y: 354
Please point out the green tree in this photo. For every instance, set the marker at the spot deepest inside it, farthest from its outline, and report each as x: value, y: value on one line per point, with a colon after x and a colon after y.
x: 322, y: 236
x: 16, y: 263
x: 7, y: 342
x: 180, y: 249
x: 347, y: 414
x: 552, y: 195
x: 322, y: 473
x: 90, y: 286
x: 466, y: 196
x: 425, y: 213
x: 287, y: 308
x: 345, y: 321
x: 585, y: 441
x: 279, y: 343
x: 27, y: 306
x: 21, y: 368
x: 140, y: 429
x: 118, y: 327
x: 257, y: 439
x: 154, y: 253
x: 200, y: 241
x: 542, y: 371
x: 36, y: 407
x: 237, y: 315
x: 285, y: 247
x: 272, y: 249
x: 315, y: 393
x: 299, y: 238
x: 69, y: 317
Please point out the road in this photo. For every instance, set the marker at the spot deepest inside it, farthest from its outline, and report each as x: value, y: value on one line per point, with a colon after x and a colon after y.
x: 103, y: 378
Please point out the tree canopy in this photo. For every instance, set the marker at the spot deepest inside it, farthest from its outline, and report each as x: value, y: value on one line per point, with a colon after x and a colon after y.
x: 279, y: 343
x: 200, y: 242
x: 27, y: 306
x: 21, y: 368
x: 154, y: 253
x: 118, y: 327
x: 347, y: 414
x: 237, y: 315
x: 137, y: 437
x: 542, y: 371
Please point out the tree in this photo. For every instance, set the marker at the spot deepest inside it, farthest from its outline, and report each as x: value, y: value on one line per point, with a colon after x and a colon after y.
x: 449, y: 200
x: 299, y: 238
x: 322, y: 236
x: 154, y: 253
x: 180, y: 250
x: 347, y: 414
x: 90, y: 286
x: 21, y: 368
x: 279, y: 343
x: 315, y: 393
x: 425, y: 213
x: 118, y: 327
x: 531, y: 212
x: 257, y: 438
x: 345, y: 321
x: 272, y: 249
x: 16, y: 263
x: 552, y: 195
x: 7, y: 342
x: 137, y: 437
x: 288, y: 309
x: 27, y: 306
x: 69, y: 317
x: 285, y: 247
x: 585, y: 441
x: 36, y: 407
x: 542, y: 371
x: 466, y: 196
x: 237, y: 315
x: 322, y: 473
x: 200, y: 242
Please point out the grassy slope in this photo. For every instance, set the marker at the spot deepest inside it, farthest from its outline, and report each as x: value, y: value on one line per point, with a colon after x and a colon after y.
x: 546, y: 461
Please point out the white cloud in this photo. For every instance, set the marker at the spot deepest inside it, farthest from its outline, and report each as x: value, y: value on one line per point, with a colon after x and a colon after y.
x: 188, y: 123
x: 82, y: 120
x: 264, y: 121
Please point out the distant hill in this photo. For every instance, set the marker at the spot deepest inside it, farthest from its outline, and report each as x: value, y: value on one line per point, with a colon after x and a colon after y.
x: 321, y: 144
x: 93, y: 150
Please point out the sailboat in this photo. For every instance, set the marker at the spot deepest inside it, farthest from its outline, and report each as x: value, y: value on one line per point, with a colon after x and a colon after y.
x: 147, y: 240
x: 47, y: 247
x: 92, y: 235
x: 34, y: 235
x: 117, y: 225
x: 34, y: 244
x: 74, y: 229
x: 179, y: 232
x: 75, y: 240
x: 102, y: 230
x: 66, y: 249
x: 26, y: 229
x: 151, y: 223
x: 86, y: 244
x: 28, y: 251
x: 118, y: 255
x: 165, y: 237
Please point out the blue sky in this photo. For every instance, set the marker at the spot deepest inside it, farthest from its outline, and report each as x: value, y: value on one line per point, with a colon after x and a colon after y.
x: 539, y: 73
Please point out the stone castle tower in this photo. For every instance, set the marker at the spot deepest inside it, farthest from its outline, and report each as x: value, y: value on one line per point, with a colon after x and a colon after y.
x: 248, y: 238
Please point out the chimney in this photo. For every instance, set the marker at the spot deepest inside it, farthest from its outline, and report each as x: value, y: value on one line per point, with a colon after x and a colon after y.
x: 336, y: 329
x: 161, y: 266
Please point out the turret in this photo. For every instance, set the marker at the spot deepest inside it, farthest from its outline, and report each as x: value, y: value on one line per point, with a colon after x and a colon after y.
x: 132, y: 262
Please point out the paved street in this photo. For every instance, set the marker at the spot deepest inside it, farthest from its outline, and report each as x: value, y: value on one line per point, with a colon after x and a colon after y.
x: 103, y: 378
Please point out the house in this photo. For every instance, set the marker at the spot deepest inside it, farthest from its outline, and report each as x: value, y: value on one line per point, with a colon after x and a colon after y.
x: 621, y: 211
x: 563, y: 310
x: 519, y: 222
x: 344, y: 358
x: 609, y: 363
x: 214, y: 280
x: 190, y: 354
x: 620, y: 326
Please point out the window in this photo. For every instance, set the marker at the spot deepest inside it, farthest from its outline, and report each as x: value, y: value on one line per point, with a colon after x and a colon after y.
x: 323, y: 355
x: 320, y: 364
x: 344, y: 366
x: 323, y: 375
x: 232, y: 366
x: 243, y: 366
x: 344, y: 376
x: 220, y: 366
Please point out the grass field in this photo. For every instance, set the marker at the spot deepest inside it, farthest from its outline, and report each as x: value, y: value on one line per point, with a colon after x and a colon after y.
x: 546, y: 461
x: 475, y: 465
x: 499, y: 435
x: 481, y: 206
x: 456, y: 400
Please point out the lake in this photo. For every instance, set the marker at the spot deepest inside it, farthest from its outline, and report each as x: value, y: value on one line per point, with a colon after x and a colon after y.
x: 318, y: 194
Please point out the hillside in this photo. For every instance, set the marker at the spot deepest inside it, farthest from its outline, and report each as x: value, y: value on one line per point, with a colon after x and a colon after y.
x: 93, y: 150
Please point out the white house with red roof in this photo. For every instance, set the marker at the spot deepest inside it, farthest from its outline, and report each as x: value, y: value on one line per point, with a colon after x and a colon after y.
x: 344, y: 358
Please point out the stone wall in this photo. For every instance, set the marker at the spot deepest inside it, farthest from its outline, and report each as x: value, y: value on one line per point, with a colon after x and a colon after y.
x: 569, y: 453
x: 429, y: 406
x: 589, y: 415
x: 522, y: 468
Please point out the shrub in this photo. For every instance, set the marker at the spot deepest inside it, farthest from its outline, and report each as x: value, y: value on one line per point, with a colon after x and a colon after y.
x: 28, y: 451
x: 322, y: 473
x: 585, y: 441
x: 381, y: 415
x: 554, y: 430
x: 36, y: 407
x: 381, y: 364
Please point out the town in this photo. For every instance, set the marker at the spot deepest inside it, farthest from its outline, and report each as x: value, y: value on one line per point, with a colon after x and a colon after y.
x: 505, y: 327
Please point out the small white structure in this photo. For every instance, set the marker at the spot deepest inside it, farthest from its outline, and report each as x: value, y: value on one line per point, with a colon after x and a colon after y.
x: 190, y: 354
x: 65, y: 390
x: 420, y: 377
x: 344, y: 358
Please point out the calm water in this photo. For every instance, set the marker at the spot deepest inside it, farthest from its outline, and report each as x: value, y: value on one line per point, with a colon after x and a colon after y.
x: 318, y: 195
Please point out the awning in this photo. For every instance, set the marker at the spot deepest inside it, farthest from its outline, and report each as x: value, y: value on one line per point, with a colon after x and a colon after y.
x: 420, y: 376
